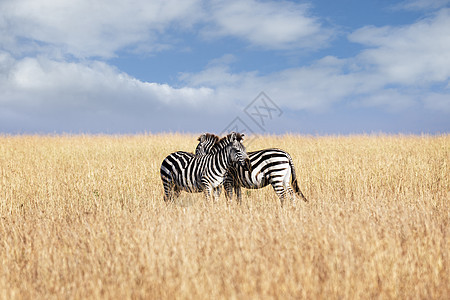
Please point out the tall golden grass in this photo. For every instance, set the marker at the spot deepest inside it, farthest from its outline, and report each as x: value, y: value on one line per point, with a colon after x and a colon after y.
x: 83, y: 217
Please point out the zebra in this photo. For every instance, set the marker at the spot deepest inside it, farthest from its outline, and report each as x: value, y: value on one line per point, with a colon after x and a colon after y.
x: 267, y: 166
x: 180, y: 160
x: 184, y: 171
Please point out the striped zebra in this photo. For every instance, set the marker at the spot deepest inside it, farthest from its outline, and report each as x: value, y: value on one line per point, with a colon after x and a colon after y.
x: 268, y: 166
x: 202, y: 173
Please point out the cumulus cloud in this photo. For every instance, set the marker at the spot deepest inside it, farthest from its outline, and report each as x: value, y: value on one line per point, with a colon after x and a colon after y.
x: 273, y: 25
x: 54, y: 70
x: 314, y: 87
x: 85, y: 28
x: 44, y: 91
x: 84, y: 81
x: 53, y: 54
x: 415, y: 54
x: 397, y: 70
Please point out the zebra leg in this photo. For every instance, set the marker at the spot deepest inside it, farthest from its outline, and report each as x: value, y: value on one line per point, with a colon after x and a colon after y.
x: 168, y: 189
x: 208, y: 191
x: 282, y: 197
x: 237, y: 190
x: 176, y: 192
x: 279, y: 190
x: 290, y: 192
x: 207, y: 194
x: 228, y: 186
x: 217, y: 191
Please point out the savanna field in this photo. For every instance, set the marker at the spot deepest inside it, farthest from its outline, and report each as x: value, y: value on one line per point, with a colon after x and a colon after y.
x: 83, y: 217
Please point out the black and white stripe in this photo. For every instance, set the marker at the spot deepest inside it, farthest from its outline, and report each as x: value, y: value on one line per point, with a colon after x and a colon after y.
x: 268, y: 166
x: 184, y: 171
x: 207, y: 141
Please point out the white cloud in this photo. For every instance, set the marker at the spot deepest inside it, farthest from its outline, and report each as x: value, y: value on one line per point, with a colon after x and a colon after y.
x: 314, y: 88
x: 395, y: 72
x: 421, y: 4
x: 392, y: 100
x: 416, y: 54
x: 398, y: 70
x: 86, y: 28
x: 42, y: 89
x: 272, y: 25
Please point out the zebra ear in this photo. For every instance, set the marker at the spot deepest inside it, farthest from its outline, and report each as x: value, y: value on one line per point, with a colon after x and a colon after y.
x: 233, y: 136
x: 202, y: 137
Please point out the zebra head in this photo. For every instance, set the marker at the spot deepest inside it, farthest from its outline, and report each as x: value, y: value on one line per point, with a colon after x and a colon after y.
x: 238, y: 154
x: 206, y: 142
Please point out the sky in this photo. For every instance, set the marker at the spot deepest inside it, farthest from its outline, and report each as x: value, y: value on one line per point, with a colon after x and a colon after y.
x: 264, y: 67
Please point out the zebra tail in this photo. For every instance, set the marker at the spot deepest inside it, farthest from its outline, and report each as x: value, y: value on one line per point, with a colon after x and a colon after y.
x: 294, y: 181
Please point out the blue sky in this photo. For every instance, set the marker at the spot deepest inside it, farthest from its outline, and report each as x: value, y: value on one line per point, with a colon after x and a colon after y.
x: 307, y: 67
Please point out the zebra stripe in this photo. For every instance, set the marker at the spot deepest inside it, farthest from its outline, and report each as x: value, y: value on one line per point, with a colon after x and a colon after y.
x: 173, y: 167
x: 184, y: 171
x: 268, y: 166
x: 207, y: 141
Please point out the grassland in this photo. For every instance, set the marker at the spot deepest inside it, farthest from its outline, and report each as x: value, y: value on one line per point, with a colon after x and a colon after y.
x: 83, y: 217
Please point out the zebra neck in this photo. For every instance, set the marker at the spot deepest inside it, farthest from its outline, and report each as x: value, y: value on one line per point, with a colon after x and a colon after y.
x: 225, y: 160
x: 220, y: 162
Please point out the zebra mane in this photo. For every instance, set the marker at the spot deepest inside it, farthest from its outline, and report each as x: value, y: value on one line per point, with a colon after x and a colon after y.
x: 209, y: 136
x: 223, y: 142
x: 206, y: 142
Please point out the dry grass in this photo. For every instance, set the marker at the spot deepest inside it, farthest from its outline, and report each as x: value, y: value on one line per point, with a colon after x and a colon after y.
x: 83, y: 217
